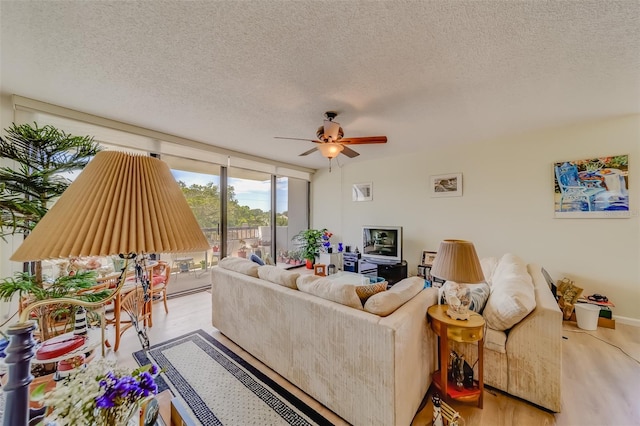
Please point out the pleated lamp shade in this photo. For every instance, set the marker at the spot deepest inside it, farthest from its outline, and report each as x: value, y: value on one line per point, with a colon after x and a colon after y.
x: 457, y: 261
x: 120, y: 203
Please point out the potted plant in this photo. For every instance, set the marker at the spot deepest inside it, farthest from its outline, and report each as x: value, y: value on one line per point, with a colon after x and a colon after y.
x: 309, y: 241
x: 39, y: 156
x: 242, y: 251
x: 29, y: 290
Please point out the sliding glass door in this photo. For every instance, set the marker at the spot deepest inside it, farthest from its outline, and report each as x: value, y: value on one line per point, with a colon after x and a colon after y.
x: 249, y: 199
x: 200, y: 183
x: 292, y: 216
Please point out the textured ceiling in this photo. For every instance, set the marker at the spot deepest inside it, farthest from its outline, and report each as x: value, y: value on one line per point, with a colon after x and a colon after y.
x: 236, y: 73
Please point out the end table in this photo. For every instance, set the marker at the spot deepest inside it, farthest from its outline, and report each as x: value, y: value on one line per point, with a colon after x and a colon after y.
x: 463, y: 331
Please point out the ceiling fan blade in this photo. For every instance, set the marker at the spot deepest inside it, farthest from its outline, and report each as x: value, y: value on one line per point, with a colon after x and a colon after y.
x: 308, y: 152
x: 368, y: 139
x: 297, y: 139
x: 349, y: 152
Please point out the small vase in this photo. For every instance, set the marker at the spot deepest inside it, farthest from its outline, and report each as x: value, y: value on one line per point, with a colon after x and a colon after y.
x: 309, y: 264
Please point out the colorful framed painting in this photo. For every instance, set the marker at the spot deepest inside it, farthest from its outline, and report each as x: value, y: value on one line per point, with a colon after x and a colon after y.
x: 592, y: 188
x: 449, y: 185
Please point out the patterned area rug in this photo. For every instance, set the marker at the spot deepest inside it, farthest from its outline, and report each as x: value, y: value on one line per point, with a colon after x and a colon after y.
x: 220, y: 388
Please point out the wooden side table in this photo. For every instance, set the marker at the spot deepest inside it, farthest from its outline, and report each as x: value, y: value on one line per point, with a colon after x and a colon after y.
x: 467, y: 331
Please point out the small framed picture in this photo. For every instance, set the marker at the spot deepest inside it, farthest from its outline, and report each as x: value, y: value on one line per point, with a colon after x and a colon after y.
x: 449, y: 185
x: 362, y: 192
x: 428, y: 257
x: 424, y: 271
x: 437, y: 282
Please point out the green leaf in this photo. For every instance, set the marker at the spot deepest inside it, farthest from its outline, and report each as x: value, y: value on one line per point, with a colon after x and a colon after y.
x: 39, y: 392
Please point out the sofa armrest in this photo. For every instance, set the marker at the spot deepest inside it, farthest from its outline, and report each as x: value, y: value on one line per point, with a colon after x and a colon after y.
x: 534, y: 349
x: 415, y: 353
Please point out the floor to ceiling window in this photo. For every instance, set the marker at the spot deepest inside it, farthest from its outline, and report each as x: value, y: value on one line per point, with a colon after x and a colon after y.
x: 200, y: 183
x: 292, y: 216
x: 248, y: 213
x: 264, y: 209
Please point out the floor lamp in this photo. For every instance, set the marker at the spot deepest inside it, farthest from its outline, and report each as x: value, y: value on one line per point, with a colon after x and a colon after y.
x: 121, y: 204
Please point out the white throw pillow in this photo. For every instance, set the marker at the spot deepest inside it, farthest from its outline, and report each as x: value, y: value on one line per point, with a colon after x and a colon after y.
x: 278, y: 276
x: 238, y: 264
x: 386, y: 302
x: 512, y: 294
x: 488, y: 265
x: 345, y: 294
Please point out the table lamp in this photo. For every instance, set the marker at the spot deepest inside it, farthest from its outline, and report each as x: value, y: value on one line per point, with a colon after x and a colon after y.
x: 121, y: 204
x: 457, y: 263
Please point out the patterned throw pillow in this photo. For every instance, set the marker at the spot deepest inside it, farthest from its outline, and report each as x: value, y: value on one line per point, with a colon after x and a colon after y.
x: 364, y: 292
x: 479, y: 295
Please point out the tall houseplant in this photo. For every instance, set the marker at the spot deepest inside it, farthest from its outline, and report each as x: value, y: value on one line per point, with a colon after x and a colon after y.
x: 42, y: 155
x: 309, y: 242
x: 36, y: 159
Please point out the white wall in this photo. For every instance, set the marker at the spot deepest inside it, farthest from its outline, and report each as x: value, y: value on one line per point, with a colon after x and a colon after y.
x: 507, y: 205
x: 7, y: 268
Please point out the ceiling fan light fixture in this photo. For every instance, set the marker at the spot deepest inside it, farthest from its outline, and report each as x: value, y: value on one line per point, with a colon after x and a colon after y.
x: 331, y: 129
x: 330, y: 150
x: 335, y: 133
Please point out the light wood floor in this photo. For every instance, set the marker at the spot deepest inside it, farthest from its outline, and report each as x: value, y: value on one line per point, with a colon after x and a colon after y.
x: 600, y: 384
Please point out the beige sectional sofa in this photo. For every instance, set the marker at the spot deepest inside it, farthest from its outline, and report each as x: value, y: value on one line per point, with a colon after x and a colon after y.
x: 368, y: 369
x: 523, y: 339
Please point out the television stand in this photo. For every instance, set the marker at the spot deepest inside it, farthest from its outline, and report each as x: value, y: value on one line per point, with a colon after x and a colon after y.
x: 391, y: 272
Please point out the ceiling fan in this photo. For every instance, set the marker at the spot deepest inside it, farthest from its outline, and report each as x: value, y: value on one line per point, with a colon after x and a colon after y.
x: 331, y: 140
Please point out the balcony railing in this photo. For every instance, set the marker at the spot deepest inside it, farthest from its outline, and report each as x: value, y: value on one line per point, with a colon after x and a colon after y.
x: 245, y: 233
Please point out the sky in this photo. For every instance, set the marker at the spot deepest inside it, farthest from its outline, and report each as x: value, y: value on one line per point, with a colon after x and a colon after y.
x: 252, y: 193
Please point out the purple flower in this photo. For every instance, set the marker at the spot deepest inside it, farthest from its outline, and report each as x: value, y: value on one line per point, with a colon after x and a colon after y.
x: 127, y: 389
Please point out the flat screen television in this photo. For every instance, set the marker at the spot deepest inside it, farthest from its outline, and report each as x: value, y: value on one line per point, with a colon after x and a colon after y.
x: 382, y: 244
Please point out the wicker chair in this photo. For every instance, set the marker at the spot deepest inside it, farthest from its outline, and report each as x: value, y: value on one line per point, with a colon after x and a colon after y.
x: 160, y: 282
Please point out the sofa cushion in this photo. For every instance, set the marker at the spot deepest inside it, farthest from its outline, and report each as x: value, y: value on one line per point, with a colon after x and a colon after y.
x: 496, y: 340
x: 338, y: 292
x: 238, y: 264
x: 278, y: 276
x: 512, y: 294
x: 386, y: 302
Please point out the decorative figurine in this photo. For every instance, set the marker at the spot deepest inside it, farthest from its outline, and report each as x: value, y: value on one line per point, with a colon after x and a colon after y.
x: 437, y: 415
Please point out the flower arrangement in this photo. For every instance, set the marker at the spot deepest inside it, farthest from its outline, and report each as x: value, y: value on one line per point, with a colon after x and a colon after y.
x: 92, y: 397
x: 326, y: 243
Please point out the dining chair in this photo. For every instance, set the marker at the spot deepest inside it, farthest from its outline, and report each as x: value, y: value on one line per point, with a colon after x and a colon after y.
x: 134, y: 304
x: 160, y: 282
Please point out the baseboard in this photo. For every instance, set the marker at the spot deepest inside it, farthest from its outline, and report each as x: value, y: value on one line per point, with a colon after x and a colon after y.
x: 626, y: 320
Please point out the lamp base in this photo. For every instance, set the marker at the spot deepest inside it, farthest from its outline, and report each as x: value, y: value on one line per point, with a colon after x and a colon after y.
x: 458, y: 315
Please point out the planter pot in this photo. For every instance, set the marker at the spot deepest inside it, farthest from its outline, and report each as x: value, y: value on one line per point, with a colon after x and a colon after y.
x: 309, y: 264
